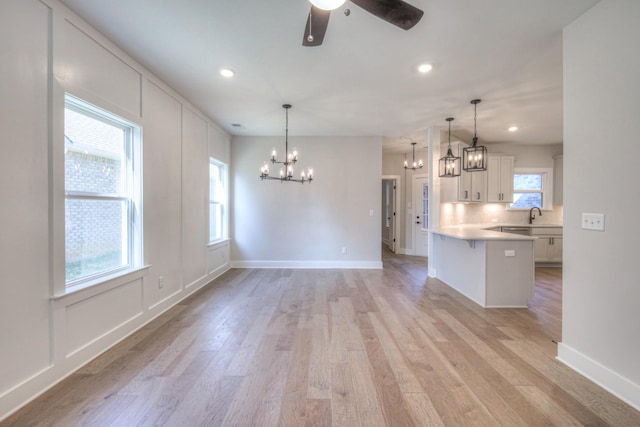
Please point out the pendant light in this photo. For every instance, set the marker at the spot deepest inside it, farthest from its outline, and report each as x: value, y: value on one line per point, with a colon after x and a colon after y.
x: 290, y: 159
x: 414, y: 165
x: 449, y: 165
x: 474, y: 158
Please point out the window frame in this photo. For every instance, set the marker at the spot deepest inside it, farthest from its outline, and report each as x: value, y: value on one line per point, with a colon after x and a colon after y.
x: 130, y: 192
x: 224, y: 203
x: 547, y: 187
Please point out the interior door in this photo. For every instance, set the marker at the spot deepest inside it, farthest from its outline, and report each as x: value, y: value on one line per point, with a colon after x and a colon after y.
x: 389, y: 213
x: 421, y: 214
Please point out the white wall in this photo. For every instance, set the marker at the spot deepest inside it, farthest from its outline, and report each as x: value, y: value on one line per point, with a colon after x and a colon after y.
x: 601, y: 290
x: 46, y: 50
x: 307, y: 225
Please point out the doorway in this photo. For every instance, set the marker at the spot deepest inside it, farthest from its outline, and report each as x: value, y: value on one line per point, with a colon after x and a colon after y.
x: 390, y: 203
x: 421, y: 214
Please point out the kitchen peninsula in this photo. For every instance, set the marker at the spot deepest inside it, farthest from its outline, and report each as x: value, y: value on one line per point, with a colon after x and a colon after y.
x: 492, y: 268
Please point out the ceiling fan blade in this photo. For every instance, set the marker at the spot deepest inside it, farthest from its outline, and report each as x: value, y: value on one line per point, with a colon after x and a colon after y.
x: 316, y: 26
x: 396, y: 12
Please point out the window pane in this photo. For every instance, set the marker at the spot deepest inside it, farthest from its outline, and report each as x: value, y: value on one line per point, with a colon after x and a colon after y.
x: 215, y: 221
x: 94, y: 154
x: 526, y: 200
x: 96, y: 236
x: 527, y: 182
x: 217, y: 200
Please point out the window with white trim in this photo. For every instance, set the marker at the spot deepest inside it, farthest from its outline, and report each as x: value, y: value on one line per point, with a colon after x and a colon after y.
x: 102, y: 184
x: 532, y: 187
x: 218, y: 195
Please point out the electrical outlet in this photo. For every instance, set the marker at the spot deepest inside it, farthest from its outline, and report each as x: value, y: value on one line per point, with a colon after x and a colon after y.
x: 160, y: 282
x: 593, y: 221
x: 509, y: 253
x: 344, y: 250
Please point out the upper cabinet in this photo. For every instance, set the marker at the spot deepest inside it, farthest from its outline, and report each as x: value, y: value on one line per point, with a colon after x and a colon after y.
x: 500, y: 179
x: 557, y: 179
x: 468, y: 187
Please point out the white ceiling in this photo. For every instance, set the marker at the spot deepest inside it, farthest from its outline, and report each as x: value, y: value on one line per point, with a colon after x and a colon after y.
x: 362, y: 81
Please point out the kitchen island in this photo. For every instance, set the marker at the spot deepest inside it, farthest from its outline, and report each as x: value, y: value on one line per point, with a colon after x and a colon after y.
x: 492, y: 268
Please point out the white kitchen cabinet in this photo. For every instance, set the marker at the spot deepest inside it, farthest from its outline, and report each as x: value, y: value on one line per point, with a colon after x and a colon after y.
x: 468, y: 187
x: 500, y: 179
x: 548, y: 247
x: 557, y: 179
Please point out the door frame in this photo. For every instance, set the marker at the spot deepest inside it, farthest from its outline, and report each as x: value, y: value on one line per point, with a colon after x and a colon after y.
x: 396, y: 222
x: 415, y: 205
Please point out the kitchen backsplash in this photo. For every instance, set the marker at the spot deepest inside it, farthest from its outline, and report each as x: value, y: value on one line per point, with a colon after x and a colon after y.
x: 460, y: 213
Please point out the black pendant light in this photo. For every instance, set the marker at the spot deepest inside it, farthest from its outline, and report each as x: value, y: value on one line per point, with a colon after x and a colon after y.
x: 474, y: 158
x: 449, y: 165
x: 290, y: 159
x: 414, y: 165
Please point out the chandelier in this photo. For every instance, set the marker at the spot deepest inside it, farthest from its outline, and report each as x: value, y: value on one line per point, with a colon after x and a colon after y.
x: 414, y: 165
x: 474, y: 158
x: 449, y: 164
x: 290, y: 159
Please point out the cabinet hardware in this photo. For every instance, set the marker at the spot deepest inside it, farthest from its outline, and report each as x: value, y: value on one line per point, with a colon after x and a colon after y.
x: 466, y: 194
x: 478, y: 195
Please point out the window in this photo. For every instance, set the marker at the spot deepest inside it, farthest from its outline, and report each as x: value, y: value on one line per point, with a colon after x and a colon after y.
x: 102, y: 192
x: 532, y: 188
x: 217, y: 200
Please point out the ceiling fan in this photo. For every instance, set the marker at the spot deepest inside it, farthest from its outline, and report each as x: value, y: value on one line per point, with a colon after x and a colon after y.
x: 396, y: 12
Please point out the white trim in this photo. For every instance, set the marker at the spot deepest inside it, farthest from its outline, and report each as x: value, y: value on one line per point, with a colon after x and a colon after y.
x: 360, y: 265
x: 611, y: 381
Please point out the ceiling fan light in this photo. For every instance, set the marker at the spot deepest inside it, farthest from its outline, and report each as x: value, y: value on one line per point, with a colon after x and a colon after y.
x: 327, y: 4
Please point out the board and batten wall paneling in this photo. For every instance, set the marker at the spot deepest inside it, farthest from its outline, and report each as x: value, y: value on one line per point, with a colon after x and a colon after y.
x: 600, y: 313
x: 44, y: 338
x: 162, y: 192
x: 107, y: 311
x: 87, y: 65
x: 293, y: 224
x: 24, y: 223
x: 195, y: 170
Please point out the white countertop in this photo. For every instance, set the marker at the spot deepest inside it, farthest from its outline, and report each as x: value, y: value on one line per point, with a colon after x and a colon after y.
x: 480, y: 232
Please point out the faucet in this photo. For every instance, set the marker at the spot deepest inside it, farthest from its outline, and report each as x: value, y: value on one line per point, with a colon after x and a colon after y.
x: 531, y: 217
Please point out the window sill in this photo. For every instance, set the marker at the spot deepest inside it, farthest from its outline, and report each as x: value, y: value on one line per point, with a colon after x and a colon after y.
x: 218, y: 243
x: 100, y: 285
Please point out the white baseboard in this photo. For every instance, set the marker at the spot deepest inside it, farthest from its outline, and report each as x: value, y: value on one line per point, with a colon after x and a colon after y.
x: 360, y: 265
x: 611, y: 381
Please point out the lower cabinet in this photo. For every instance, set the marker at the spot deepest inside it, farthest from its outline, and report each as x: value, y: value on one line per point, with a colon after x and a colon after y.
x: 548, y: 249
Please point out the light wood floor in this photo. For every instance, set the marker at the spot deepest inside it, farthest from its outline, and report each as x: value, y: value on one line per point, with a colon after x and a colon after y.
x: 336, y: 347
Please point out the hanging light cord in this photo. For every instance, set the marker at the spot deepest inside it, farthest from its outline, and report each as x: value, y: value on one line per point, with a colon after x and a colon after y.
x: 286, y: 138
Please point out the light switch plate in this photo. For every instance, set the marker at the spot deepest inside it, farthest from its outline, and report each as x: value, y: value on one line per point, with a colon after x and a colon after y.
x: 593, y: 221
x: 509, y: 252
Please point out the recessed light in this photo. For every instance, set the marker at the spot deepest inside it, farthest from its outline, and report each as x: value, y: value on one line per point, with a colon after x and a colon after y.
x: 513, y: 128
x: 227, y: 72
x: 425, y: 68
